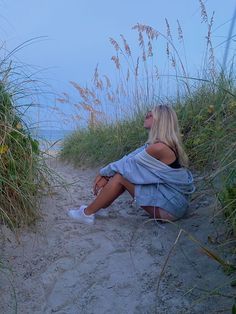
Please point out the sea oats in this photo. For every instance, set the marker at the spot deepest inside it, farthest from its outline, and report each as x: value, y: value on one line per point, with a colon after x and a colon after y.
x: 141, y: 40
x: 173, y: 61
x: 87, y: 93
x: 127, y: 47
x: 157, y: 72
x: 99, y: 84
x: 136, y: 27
x: 150, y: 32
x: 96, y: 101
x: 167, y: 50
x: 114, y: 44
x: 82, y: 91
x: 86, y: 106
x: 108, y: 82
x: 95, y: 75
x: 168, y: 32
x: 116, y: 61
x: 210, y: 29
x: 150, y: 52
x: 203, y: 12
x: 144, y: 57
x: 180, y: 31
x: 212, y: 59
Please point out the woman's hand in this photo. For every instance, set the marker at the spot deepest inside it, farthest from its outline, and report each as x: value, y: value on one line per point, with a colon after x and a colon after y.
x: 99, y: 183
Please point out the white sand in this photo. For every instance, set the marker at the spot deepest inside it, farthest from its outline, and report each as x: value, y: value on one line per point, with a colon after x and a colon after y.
x: 61, y: 266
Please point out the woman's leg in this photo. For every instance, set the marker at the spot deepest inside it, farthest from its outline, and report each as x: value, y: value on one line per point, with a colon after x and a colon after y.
x: 157, y: 212
x: 114, y: 188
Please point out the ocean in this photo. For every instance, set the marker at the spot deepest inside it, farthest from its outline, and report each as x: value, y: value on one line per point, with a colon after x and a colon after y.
x: 50, y: 139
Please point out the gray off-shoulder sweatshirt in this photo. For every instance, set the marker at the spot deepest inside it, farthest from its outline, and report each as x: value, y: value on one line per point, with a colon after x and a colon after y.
x: 156, y: 184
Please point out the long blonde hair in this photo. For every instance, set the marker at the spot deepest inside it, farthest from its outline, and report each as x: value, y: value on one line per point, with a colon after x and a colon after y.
x: 165, y: 128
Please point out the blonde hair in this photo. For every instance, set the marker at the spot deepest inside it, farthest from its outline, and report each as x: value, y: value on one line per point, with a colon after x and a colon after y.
x: 165, y: 128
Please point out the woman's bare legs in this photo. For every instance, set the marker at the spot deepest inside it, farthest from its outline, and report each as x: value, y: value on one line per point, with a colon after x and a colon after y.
x: 113, y: 189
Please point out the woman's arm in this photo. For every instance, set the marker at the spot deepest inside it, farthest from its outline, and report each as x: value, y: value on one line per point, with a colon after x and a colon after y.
x: 109, y: 169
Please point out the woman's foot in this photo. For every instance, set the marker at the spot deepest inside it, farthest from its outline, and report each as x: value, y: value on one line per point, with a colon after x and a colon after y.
x: 79, y: 215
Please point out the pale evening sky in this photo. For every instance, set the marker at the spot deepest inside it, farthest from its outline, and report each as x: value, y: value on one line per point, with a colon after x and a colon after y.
x: 77, y: 34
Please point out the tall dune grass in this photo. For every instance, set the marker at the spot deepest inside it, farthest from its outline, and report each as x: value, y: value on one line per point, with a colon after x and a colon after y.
x: 103, y: 143
x: 23, y: 172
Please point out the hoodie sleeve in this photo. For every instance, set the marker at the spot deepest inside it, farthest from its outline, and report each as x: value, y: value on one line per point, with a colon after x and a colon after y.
x: 142, y: 169
x: 114, y: 167
x: 132, y: 170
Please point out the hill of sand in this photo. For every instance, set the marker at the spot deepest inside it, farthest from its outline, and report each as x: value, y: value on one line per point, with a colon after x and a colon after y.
x: 125, y: 263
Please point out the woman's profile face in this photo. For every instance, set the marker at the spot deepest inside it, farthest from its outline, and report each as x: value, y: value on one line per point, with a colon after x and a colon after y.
x: 148, y: 121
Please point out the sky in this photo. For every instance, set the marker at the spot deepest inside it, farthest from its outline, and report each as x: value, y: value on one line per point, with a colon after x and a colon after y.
x: 73, y: 37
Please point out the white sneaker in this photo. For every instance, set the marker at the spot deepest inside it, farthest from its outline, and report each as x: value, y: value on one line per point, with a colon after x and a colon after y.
x: 79, y: 214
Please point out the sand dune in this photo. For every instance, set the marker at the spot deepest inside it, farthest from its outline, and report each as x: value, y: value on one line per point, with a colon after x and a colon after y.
x: 115, y: 266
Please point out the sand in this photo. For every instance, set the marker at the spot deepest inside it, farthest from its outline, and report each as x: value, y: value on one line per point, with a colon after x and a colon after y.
x: 125, y: 263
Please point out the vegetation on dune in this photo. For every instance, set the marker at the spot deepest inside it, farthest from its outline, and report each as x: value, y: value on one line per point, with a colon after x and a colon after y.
x: 208, y: 123
x: 206, y: 107
x: 208, y: 120
x: 22, y: 168
x: 104, y: 143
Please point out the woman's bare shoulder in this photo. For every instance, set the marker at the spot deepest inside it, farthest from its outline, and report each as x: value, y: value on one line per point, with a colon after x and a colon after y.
x: 156, y: 150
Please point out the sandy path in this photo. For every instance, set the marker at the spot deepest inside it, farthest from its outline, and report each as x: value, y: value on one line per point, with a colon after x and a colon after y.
x: 65, y: 267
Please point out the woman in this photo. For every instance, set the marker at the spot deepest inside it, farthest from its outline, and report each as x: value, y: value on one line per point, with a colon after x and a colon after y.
x: 155, y: 174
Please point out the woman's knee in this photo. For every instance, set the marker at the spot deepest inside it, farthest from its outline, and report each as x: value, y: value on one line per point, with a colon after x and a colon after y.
x: 126, y: 185
x: 118, y: 178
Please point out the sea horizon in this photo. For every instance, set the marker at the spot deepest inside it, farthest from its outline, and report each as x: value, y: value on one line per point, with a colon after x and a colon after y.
x: 50, y: 138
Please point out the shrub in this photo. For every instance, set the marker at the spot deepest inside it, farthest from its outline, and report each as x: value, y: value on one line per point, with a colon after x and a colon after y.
x: 21, y: 164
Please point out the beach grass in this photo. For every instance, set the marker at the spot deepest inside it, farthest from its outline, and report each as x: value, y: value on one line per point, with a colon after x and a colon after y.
x: 104, y: 143
x: 205, y: 105
x: 23, y: 171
